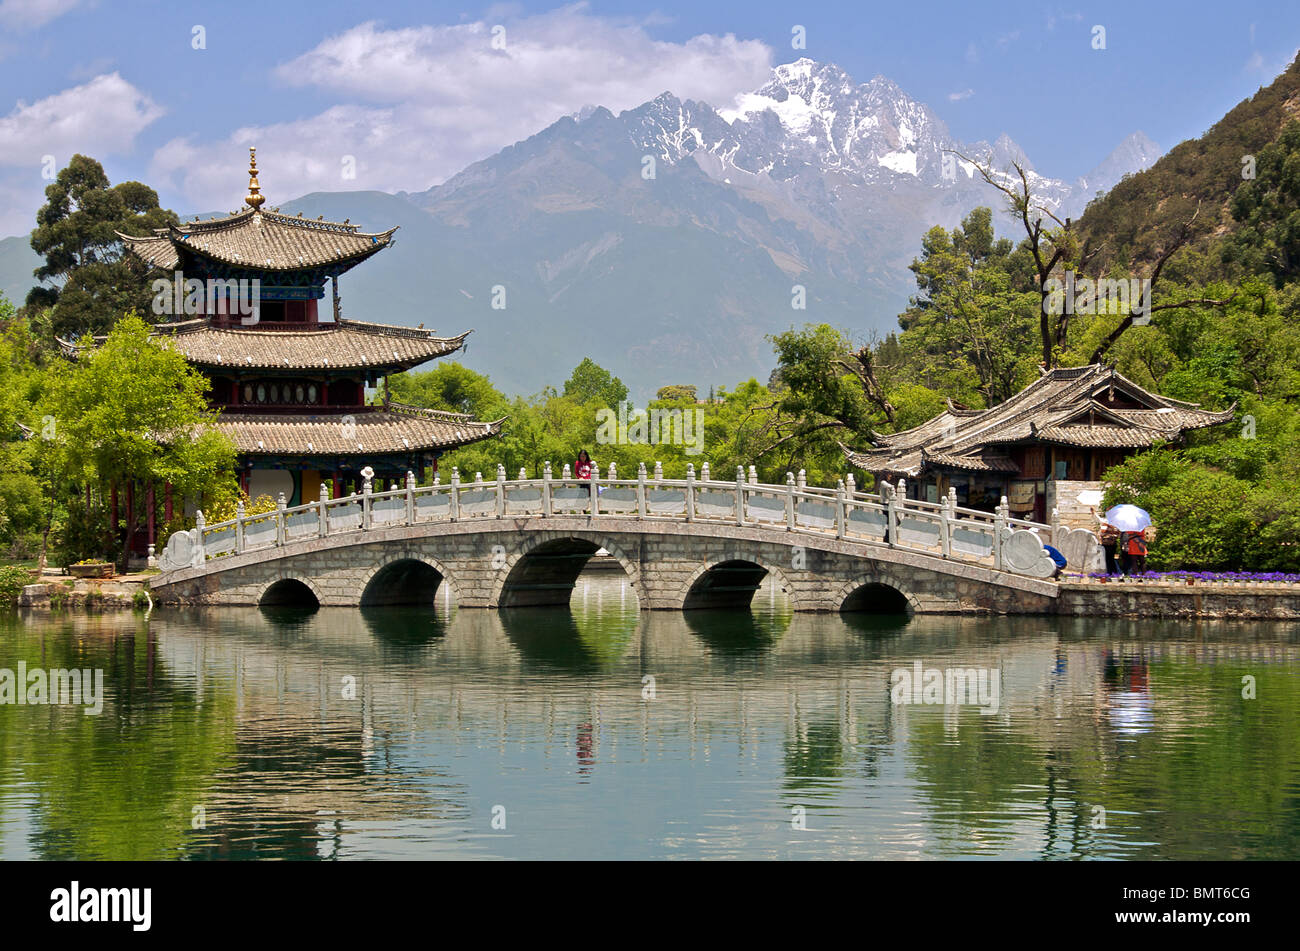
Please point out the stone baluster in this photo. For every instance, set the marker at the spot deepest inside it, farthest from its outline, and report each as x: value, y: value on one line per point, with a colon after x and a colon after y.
x: 410, y: 497
x: 322, y: 513
x: 740, y: 495
x: 239, y: 527
x: 640, y: 490
x: 705, y: 476
x: 753, y: 475
x: 893, y: 515
x: 523, y: 474
x: 454, y: 505
x: 999, y: 529
x: 1056, y: 527
x: 279, y: 521
x: 840, y: 504
x: 659, y: 471
x: 546, y: 489
x: 501, y: 490
x: 690, y: 491
x: 200, y: 556
x: 789, y: 502
x: 850, y: 485
x: 366, y: 489
x: 801, y: 482
x: 566, y: 476
x: 945, y: 526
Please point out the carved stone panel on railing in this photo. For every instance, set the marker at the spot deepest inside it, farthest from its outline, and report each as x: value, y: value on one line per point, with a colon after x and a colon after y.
x: 222, y: 541
x: 259, y: 533
x: 478, y: 502
x: 1023, y: 553
x: 180, y: 552
x: 301, y: 524
x: 618, y: 500
x: 868, y: 522
x: 765, y: 508
x: 815, y: 514
x: 975, y: 542
x: 1082, y: 551
x: 918, y: 532
x: 345, y: 517
x: 710, y: 503
x: 571, y: 498
x: 429, y: 507
x: 524, y: 501
x: 387, y: 511
x: 666, y: 501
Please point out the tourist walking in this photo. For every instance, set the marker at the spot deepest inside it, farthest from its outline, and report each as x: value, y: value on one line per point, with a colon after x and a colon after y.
x: 1136, y: 552
x: 1108, y: 536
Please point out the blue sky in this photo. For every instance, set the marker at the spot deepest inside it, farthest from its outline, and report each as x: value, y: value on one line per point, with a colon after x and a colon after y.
x: 405, y: 94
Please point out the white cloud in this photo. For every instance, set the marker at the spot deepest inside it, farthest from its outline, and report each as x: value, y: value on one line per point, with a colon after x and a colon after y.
x: 100, y: 117
x: 418, y: 104
x: 959, y: 96
x: 29, y: 14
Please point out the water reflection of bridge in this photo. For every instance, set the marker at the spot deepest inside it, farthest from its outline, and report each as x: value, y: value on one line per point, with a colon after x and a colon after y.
x: 441, y: 691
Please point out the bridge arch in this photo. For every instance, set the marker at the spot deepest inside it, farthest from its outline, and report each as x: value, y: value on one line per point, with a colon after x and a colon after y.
x: 544, y: 569
x: 405, y: 578
x: 706, y: 585
x: 287, y: 589
x: 875, y: 594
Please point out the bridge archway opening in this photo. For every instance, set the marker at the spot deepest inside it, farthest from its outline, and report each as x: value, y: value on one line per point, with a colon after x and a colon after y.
x: 406, y: 581
x: 728, y: 584
x: 289, y: 593
x: 876, y: 598
x: 547, y: 575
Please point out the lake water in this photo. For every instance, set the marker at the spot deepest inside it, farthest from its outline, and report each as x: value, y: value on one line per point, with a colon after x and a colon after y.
x: 601, y: 732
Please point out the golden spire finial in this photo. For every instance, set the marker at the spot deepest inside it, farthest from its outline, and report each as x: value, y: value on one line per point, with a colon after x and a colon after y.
x: 254, y: 198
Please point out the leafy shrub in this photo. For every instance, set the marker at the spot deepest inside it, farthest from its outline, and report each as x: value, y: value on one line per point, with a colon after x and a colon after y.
x: 12, y: 581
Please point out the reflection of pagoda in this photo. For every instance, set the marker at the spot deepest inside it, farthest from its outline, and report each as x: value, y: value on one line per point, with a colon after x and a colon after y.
x: 292, y: 387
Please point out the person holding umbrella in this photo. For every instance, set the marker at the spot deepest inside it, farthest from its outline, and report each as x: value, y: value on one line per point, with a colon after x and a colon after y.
x: 1131, y: 522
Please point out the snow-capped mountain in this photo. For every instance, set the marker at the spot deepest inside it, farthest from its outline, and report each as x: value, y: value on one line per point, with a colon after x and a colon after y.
x: 668, y: 241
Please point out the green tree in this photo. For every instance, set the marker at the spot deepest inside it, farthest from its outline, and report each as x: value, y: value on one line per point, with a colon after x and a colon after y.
x: 87, y: 281
x: 592, y: 383
x: 133, y: 411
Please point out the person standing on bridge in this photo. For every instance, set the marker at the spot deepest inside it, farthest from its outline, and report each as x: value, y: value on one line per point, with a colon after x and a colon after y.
x: 582, y: 466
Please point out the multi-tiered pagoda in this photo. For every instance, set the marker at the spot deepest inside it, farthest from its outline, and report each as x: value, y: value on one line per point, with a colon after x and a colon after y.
x: 290, y: 385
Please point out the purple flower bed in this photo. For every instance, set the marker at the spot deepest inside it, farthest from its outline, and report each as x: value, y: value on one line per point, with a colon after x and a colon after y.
x: 1254, y: 576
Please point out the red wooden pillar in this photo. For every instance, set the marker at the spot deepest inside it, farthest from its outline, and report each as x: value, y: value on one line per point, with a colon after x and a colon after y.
x: 167, y: 503
x: 149, y: 515
x: 338, y: 487
x: 130, y: 510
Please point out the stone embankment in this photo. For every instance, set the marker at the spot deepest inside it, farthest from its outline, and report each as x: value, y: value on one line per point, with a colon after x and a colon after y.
x: 85, y: 594
x: 1205, y: 599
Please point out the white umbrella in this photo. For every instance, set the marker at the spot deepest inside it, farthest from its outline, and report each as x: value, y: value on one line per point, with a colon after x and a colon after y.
x: 1128, y: 518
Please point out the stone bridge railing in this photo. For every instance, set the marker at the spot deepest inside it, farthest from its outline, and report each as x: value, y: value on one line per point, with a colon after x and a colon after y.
x: 883, y: 519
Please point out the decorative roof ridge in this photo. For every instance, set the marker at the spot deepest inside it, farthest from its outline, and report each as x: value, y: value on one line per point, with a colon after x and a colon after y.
x: 396, y: 330
x: 211, y: 224
x: 410, y: 410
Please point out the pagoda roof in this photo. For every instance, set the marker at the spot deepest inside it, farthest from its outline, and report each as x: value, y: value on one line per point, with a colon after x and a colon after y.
x: 396, y: 429
x: 344, y: 344
x: 1090, y: 406
x: 261, y: 241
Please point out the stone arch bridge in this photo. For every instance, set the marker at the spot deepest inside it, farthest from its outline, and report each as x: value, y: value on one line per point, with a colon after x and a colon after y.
x: 690, y: 543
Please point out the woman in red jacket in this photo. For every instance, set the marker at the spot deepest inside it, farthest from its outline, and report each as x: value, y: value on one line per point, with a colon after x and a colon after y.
x: 582, y: 466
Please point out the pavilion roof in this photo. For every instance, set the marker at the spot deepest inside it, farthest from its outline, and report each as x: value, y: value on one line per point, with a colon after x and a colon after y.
x: 397, y: 429
x: 344, y: 344
x: 260, y: 240
x: 1090, y: 406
